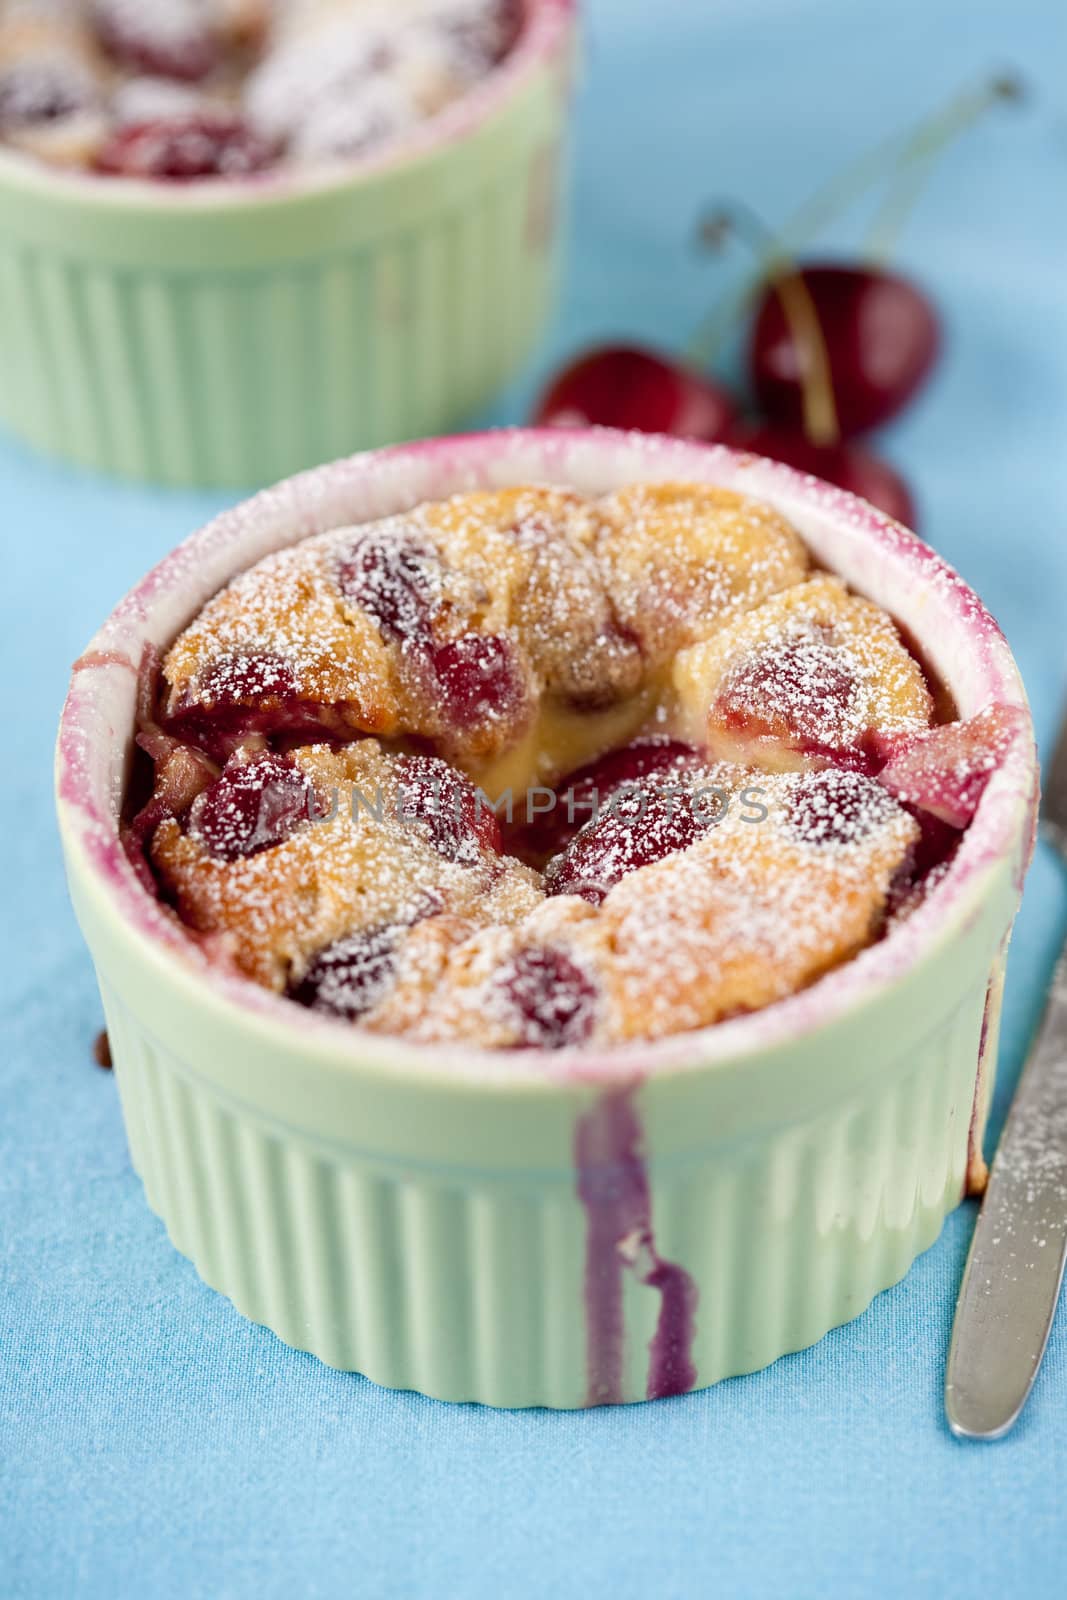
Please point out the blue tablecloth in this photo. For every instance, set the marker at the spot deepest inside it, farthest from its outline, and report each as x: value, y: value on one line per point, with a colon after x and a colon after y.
x: 154, y: 1443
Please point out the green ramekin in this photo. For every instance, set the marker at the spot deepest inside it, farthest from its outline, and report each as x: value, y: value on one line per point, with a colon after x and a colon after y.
x: 230, y: 333
x: 553, y: 1228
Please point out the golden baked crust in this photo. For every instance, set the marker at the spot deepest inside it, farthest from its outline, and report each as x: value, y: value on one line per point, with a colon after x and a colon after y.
x: 449, y: 623
x: 534, y: 554
x: 682, y: 557
x: 280, y: 635
x: 384, y: 628
x: 359, y: 858
x: 751, y: 912
x: 728, y: 842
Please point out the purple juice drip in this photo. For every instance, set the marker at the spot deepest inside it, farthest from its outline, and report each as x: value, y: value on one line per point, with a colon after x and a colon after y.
x: 613, y: 1189
x: 670, y: 1354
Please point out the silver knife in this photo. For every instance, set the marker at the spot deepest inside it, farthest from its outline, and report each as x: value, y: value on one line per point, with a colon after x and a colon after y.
x: 1015, y: 1266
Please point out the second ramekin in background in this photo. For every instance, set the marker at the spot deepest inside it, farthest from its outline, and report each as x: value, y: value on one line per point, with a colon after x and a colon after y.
x: 229, y: 333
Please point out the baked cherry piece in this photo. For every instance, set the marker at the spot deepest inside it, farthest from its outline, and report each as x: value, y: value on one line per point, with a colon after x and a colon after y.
x: 178, y: 774
x: 849, y: 466
x: 349, y: 977
x: 655, y: 754
x: 241, y: 679
x: 623, y: 386
x: 247, y: 694
x: 253, y: 806
x: 393, y: 580
x: 477, y: 678
x: 881, y: 336
x: 554, y: 1000
x: 944, y: 771
x: 460, y: 826
x: 798, y: 693
x: 586, y: 791
x: 635, y: 831
x: 924, y: 864
x: 180, y: 149
x: 836, y: 807
x: 163, y: 38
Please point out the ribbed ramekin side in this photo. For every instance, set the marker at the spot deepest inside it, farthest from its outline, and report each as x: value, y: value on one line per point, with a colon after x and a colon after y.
x: 791, y: 1236
x: 470, y: 1286
x: 460, y: 1286
x: 241, y: 377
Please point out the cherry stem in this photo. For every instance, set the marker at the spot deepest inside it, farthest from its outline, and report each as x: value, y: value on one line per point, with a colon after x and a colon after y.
x: 780, y: 271
x: 917, y: 158
x: 900, y: 154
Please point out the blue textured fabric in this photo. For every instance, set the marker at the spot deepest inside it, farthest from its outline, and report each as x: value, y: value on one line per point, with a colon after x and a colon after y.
x: 151, y: 1441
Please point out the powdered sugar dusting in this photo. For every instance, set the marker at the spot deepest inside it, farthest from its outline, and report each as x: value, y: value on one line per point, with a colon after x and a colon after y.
x: 881, y: 557
x: 755, y: 908
x: 448, y: 623
x: 704, y: 890
x: 361, y: 858
x: 681, y: 556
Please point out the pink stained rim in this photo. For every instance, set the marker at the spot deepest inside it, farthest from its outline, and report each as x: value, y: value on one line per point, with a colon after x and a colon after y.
x: 546, y: 26
x: 91, y: 753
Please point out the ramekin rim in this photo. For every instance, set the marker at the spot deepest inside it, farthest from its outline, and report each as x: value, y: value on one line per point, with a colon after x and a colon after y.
x: 1003, y: 827
x: 544, y: 29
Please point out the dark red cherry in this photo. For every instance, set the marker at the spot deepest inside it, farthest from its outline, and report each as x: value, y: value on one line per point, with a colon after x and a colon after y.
x: 805, y: 693
x: 799, y: 683
x: 180, y: 149
x: 164, y: 38
x: 348, y: 978
x: 933, y: 851
x: 250, y: 693
x: 882, y: 339
x: 638, y: 829
x: 554, y: 1000
x: 798, y: 688
x: 586, y: 792
x: 847, y: 465
x: 622, y: 386
x: 943, y: 771
x: 460, y: 825
x: 837, y: 807
x: 392, y: 580
x: 244, y: 679
x: 642, y: 758
x: 253, y: 806
x: 478, y: 679
x: 938, y: 843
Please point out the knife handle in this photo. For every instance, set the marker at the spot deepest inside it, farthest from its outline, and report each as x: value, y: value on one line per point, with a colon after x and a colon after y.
x: 1015, y: 1265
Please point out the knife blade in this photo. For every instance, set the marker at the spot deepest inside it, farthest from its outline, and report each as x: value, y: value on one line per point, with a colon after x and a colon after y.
x: 1014, y: 1270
